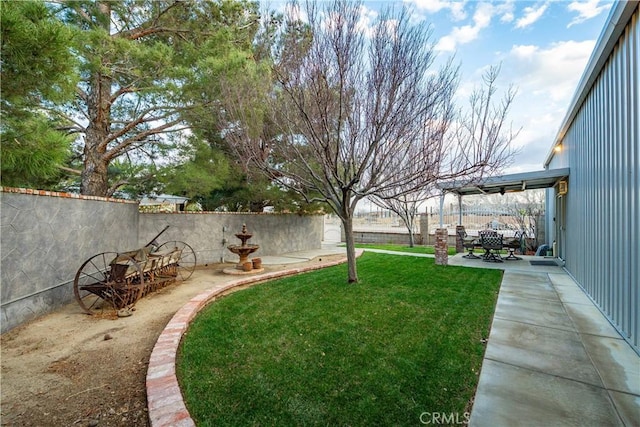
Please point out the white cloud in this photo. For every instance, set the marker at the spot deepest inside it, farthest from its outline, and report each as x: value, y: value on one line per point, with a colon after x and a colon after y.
x: 467, y: 33
x: 553, y: 71
x: 546, y: 79
x: 586, y: 10
x: 536, y: 125
x: 507, y: 17
x: 531, y: 15
x: 456, y: 8
x: 506, y: 9
x: 367, y: 20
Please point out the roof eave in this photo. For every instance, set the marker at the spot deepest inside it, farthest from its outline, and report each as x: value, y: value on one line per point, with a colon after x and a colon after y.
x: 507, y: 183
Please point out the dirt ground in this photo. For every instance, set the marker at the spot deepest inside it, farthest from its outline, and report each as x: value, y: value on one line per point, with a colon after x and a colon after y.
x: 71, y: 369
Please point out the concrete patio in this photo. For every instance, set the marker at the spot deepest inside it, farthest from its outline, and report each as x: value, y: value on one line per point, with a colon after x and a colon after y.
x: 552, y: 358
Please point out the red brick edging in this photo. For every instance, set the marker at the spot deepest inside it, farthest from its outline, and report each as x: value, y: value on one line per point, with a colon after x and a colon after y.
x: 164, y: 398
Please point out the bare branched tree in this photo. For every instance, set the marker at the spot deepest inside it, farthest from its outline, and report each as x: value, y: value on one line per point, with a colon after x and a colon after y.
x: 527, y: 210
x: 406, y: 206
x: 355, y: 112
x: 480, y: 138
x: 477, y: 144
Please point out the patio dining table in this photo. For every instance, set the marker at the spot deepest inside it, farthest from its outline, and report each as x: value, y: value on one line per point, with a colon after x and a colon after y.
x: 492, y: 243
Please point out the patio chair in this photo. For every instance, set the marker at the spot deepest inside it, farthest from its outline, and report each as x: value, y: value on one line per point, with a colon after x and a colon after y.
x: 512, y: 244
x: 469, y: 243
x: 492, y: 244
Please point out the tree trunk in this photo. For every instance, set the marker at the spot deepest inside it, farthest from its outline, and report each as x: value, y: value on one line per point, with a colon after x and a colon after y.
x: 94, y: 175
x: 408, y: 222
x: 347, y: 223
x: 95, y: 181
x: 411, y: 238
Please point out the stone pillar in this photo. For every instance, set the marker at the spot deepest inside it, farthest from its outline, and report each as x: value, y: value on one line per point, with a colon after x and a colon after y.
x: 459, y: 242
x: 442, y: 246
x: 424, y: 228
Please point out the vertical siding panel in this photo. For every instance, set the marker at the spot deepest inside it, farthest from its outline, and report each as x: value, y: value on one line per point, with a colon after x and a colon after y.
x: 589, y: 180
x: 590, y: 193
x: 605, y: 188
x: 588, y: 189
x: 611, y: 189
x: 589, y: 199
x: 621, y: 276
x: 614, y: 184
x: 599, y: 163
x: 623, y: 189
x: 607, y: 194
x: 603, y: 204
x: 594, y: 152
x: 601, y: 112
x: 606, y: 221
x: 621, y: 283
x: 634, y: 181
x: 624, y: 260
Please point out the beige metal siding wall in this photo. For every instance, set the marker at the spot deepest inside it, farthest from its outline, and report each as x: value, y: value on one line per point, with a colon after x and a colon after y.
x: 603, y: 203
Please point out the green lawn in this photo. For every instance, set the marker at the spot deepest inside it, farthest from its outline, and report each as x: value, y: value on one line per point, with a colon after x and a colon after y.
x: 418, y: 249
x: 313, y: 350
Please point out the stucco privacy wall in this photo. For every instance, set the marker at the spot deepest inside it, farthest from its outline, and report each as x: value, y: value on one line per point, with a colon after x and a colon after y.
x: 206, y: 232
x: 46, y: 236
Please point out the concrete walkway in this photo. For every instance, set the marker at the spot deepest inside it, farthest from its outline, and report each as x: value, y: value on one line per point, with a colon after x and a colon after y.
x: 294, y: 257
x: 552, y: 358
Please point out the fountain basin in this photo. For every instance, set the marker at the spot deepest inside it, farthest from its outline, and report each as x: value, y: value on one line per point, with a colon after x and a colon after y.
x: 244, y: 266
x: 243, y: 252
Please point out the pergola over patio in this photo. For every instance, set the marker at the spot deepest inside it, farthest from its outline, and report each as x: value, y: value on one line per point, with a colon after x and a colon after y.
x: 501, y: 184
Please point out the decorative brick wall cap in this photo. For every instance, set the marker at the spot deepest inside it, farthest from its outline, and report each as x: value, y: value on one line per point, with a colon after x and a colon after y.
x: 48, y: 193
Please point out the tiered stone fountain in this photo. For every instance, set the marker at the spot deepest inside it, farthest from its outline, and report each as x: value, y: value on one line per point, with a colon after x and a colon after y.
x: 244, y: 266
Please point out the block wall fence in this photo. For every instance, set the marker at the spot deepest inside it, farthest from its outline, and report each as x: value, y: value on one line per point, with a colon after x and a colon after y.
x: 45, y: 237
x: 424, y: 236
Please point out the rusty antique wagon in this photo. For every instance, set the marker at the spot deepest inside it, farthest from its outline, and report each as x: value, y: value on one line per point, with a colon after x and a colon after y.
x: 119, y: 279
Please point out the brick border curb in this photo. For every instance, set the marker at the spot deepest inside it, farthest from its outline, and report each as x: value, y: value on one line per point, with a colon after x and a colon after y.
x: 164, y: 398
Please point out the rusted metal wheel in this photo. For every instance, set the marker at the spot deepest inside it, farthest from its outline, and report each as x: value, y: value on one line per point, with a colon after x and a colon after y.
x: 183, y: 262
x: 109, y: 279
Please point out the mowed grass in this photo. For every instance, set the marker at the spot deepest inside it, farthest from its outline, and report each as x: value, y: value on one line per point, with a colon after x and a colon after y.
x: 418, y: 249
x: 313, y: 350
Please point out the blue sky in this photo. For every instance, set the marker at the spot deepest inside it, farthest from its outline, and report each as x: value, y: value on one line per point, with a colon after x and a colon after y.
x: 542, y: 47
